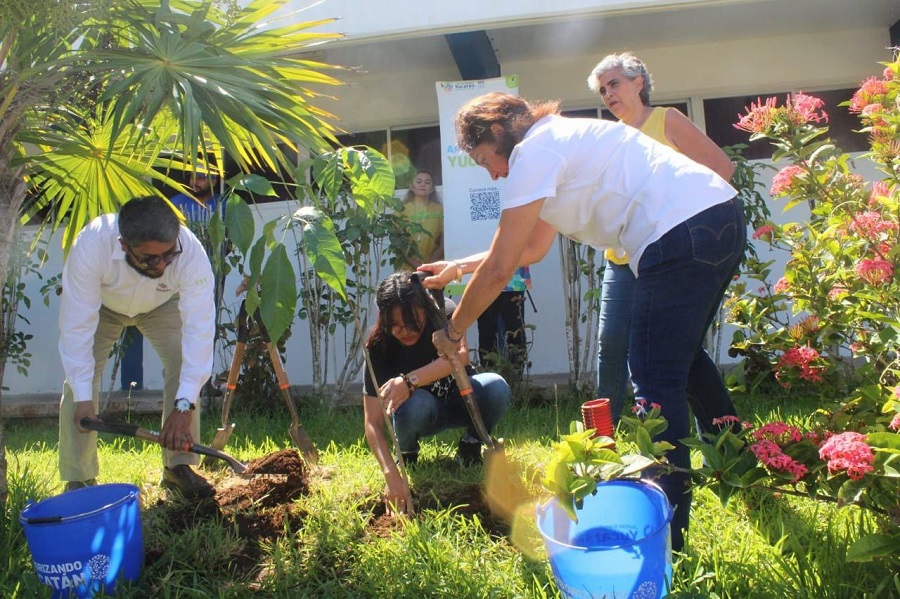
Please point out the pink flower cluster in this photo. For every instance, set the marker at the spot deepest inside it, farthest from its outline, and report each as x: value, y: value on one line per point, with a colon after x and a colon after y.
x: 805, y: 109
x: 779, y: 433
x: 802, y: 358
x: 727, y: 421
x: 781, y: 286
x: 769, y: 441
x: 837, y: 292
x: 868, y: 93
x: 871, y: 225
x: 848, y: 451
x: 773, y: 458
x: 881, y: 189
x: 798, y: 109
x: 782, y: 182
x: 875, y: 271
x: 764, y: 232
x: 895, y: 423
x: 759, y: 116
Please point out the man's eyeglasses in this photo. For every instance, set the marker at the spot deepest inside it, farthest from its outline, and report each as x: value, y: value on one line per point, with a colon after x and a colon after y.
x: 152, y: 261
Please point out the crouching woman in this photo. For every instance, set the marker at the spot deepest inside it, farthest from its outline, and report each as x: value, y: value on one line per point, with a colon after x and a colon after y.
x: 414, y: 385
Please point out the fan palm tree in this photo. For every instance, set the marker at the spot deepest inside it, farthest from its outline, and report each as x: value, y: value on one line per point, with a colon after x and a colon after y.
x: 97, y: 95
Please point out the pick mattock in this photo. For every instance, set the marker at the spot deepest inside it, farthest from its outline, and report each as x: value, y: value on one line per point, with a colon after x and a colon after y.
x: 243, y: 334
x: 434, y: 311
x: 503, y: 488
x: 389, y: 425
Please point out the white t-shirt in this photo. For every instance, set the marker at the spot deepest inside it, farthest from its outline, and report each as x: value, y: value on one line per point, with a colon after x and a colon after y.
x: 96, y: 273
x: 607, y: 184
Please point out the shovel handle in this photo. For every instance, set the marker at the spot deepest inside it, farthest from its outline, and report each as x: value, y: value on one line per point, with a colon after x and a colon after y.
x: 132, y: 430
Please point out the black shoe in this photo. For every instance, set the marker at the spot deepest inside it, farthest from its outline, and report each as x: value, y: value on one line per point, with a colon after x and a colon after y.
x: 185, y: 481
x: 468, y: 453
x: 410, y: 458
x: 80, y: 484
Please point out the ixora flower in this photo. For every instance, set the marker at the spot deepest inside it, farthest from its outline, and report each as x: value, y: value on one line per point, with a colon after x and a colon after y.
x: 785, y: 180
x: 872, y: 90
x: 875, y: 271
x: 848, y: 452
x: 759, y: 117
x: 764, y: 232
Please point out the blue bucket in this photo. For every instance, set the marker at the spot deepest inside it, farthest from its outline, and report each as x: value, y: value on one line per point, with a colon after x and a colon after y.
x: 620, y: 548
x: 84, y: 541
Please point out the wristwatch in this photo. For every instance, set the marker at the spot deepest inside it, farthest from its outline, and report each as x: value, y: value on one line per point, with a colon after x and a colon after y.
x: 183, y: 405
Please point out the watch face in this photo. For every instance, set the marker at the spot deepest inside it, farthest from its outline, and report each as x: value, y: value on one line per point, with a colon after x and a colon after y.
x: 414, y: 380
x: 183, y: 405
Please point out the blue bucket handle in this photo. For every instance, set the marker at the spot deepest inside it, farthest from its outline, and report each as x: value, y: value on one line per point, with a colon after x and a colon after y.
x: 58, y: 519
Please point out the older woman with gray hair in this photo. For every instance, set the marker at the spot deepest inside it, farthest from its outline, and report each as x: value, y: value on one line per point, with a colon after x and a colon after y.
x: 624, y: 86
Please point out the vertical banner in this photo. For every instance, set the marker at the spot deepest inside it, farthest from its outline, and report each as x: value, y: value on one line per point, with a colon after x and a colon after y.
x: 471, y: 199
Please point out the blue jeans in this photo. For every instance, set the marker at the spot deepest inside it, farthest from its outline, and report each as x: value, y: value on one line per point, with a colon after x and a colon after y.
x: 423, y: 414
x: 681, y: 280
x: 616, y: 301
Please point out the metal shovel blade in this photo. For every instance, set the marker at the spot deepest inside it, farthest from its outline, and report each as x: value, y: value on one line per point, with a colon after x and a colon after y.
x: 298, y: 435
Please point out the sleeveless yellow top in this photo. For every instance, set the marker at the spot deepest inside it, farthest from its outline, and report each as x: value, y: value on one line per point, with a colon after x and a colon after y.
x: 655, y: 127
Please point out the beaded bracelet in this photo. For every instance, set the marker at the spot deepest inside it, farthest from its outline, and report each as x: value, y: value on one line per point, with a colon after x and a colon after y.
x: 449, y: 328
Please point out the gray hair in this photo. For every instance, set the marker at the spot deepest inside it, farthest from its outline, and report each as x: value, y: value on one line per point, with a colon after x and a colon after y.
x: 148, y: 219
x: 631, y: 67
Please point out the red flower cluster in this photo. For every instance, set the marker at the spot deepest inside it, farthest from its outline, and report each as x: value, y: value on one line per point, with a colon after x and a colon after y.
x: 880, y: 189
x: 769, y: 442
x: 773, y: 458
x: 778, y: 433
x: 802, y: 358
x: 848, y: 451
x: 875, y: 271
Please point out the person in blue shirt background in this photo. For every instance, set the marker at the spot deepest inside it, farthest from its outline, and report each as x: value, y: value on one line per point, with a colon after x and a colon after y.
x: 203, y: 187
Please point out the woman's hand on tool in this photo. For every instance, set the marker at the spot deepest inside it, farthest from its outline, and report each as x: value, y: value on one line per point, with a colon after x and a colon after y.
x: 444, y: 345
x: 441, y: 273
x: 394, y: 392
x: 176, y: 431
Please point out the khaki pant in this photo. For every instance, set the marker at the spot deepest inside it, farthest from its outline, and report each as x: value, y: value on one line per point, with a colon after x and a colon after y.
x: 162, y: 328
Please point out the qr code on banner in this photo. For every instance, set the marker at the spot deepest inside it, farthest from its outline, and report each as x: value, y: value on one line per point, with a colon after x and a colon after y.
x: 484, y: 203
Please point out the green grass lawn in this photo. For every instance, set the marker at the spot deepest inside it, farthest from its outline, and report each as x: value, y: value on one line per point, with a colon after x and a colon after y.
x: 760, y: 545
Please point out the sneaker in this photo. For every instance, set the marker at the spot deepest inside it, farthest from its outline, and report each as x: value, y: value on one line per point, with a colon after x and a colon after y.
x: 80, y: 484
x: 468, y: 453
x: 182, y: 479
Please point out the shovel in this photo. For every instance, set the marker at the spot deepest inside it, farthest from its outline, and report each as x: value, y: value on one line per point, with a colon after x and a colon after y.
x: 298, y: 435
x: 435, y: 313
x: 243, y: 334
x: 132, y: 430
x: 505, y: 494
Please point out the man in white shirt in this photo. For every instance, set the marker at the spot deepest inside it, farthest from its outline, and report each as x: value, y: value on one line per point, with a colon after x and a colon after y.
x: 140, y: 268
